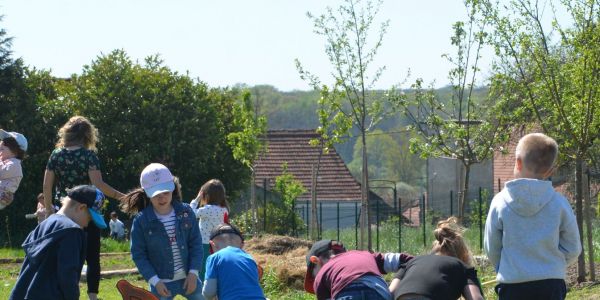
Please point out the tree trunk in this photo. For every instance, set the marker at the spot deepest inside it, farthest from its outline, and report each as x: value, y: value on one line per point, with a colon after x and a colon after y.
x: 464, y: 189
x: 365, y: 222
x: 588, y: 226
x: 579, y: 215
x: 253, y: 204
x: 313, y: 205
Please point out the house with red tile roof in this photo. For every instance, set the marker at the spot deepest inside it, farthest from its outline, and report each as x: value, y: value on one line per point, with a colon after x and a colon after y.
x: 335, y: 184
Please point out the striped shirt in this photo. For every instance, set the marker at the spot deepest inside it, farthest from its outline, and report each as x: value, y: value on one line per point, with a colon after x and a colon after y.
x: 169, y: 221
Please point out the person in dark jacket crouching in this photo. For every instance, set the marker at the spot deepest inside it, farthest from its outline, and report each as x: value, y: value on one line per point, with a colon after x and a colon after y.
x: 55, y: 249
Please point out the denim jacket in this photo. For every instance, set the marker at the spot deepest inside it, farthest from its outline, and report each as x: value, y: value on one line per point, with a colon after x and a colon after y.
x: 150, y: 247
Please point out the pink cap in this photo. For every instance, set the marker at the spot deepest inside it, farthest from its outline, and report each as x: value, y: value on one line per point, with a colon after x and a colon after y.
x: 156, y: 179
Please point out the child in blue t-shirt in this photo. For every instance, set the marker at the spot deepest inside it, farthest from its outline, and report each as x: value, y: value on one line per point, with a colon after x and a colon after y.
x: 230, y: 264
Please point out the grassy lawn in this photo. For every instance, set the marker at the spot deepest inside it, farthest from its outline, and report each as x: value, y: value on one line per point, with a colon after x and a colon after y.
x: 273, y: 285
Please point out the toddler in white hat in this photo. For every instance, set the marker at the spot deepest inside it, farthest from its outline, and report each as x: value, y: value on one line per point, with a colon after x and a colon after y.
x: 12, y: 150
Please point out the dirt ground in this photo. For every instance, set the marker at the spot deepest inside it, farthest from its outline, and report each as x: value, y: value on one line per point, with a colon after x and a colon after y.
x: 572, y: 276
x: 284, y: 254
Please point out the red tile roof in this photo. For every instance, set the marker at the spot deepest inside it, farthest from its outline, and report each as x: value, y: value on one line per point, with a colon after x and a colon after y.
x: 335, y: 182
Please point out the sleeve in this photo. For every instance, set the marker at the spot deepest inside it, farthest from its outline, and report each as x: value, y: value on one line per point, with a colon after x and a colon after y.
x: 68, y: 264
x: 195, y: 208
x: 211, y: 268
x: 569, y: 242
x: 471, y: 276
x: 51, y: 165
x: 492, y: 242
x: 401, y: 272
x: 209, y: 290
x: 10, y: 170
x: 202, y: 212
x: 195, y: 246
x: 93, y: 161
x: 139, y: 251
x: 390, y: 262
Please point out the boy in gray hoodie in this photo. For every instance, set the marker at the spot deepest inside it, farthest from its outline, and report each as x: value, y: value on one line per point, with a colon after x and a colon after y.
x: 531, y: 235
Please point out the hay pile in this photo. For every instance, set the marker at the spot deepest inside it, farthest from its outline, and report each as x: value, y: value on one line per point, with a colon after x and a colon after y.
x: 286, y: 256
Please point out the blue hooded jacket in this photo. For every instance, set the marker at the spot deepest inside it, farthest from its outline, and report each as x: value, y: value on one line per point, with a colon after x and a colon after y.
x: 54, y: 255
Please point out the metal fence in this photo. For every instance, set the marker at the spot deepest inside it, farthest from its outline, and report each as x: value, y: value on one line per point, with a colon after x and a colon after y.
x: 340, y: 219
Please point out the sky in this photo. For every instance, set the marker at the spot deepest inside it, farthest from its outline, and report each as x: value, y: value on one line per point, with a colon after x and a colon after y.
x: 226, y: 42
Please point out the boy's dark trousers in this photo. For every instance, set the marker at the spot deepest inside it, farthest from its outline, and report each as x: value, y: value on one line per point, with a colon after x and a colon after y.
x: 547, y: 289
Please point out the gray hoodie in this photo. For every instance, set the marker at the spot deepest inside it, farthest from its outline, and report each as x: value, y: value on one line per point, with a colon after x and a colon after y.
x: 530, y: 232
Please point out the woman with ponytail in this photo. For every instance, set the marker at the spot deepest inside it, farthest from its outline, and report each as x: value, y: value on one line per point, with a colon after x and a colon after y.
x: 446, y: 273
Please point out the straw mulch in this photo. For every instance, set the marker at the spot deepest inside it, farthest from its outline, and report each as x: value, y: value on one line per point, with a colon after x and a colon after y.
x: 284, y: 255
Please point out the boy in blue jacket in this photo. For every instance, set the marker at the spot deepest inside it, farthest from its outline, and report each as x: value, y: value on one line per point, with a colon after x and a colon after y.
x: 55, y: 249
x: 531, y: 235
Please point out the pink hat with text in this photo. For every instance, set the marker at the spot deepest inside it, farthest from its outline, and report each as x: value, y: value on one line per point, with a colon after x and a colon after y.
x: 156, y: 179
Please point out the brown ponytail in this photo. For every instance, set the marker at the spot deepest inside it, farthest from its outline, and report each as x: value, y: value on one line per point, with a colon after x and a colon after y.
x: 449, y: 241
x: 134, y: 201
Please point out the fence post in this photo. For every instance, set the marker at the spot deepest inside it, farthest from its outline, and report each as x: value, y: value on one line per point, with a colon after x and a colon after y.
x: 338, y: 220
x: 424, y: 223
x: 265, y: 204
x: 400, y: 227
x: 480, y: 225
x: 377, y: 225
x: 451, y: 203
x: 356, y: 225
x: 307, y: 221
x: 320, y: 220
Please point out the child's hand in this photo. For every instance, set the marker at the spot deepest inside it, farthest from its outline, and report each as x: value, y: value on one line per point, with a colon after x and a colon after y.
x: 190, y: 283
x: 162, y: 290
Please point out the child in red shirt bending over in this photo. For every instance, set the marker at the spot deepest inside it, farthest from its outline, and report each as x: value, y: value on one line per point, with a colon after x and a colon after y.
x: 334, y: 273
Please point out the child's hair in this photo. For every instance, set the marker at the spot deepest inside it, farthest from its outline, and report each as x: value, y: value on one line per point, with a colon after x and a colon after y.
x: 78, y: 131
x: 39, y: 197
x: 213, y: 192
x: 12, y: 144
x: 113, y: 214
x: 134, y: 202
x: 449, y: 241
x: 538, y: 152
x: 177, y: 195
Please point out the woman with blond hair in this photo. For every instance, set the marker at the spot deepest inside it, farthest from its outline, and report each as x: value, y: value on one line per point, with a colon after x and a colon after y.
x: 446, y: 273
x: 74, y: 162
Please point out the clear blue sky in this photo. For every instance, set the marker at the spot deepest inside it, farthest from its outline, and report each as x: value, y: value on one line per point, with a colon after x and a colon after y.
x: 223, y: 42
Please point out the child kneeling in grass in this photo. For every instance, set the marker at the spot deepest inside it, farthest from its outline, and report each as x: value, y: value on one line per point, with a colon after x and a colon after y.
x: 231, y: 273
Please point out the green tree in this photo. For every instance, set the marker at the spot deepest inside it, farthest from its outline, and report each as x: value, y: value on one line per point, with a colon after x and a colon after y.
x: 147, y: 113
x: 463, y: 128
x: 348, y: 48
x: 551, y: 72
x: 389, y: 159
x: 289, y: 189
x: 20, y: 91
x: 244, y: 139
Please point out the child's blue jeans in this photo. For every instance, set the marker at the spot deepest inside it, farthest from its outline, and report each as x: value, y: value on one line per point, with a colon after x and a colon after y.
x: 176, y: 288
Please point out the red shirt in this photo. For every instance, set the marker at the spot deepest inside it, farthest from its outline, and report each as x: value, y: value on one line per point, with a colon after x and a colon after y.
x: 344, y: 268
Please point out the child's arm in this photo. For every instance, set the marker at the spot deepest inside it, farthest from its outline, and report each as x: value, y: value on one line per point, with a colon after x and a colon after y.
x: 139, y: 254
x: 210, y: 288
x: 569, y: 242
x: 492, y: 242
x: 68, y: 264
x: 390, y: 262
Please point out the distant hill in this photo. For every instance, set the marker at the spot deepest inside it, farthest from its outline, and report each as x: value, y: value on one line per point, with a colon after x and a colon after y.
x: 297, y: 110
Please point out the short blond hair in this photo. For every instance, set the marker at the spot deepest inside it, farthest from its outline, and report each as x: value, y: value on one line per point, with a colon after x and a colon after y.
x: 78, y: 131
x: 538, y: 152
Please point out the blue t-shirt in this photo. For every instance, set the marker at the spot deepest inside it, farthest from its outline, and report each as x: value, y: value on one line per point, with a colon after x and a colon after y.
x: 236, y: 274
